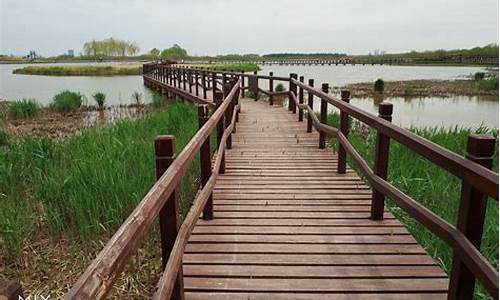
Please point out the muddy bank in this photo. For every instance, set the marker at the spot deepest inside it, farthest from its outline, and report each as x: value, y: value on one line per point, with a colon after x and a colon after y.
x: 422, y: 88
x: 59, y: 125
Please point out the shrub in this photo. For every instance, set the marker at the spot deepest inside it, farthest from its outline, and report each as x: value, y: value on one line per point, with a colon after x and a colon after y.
x: 378, y: 86
x: 67, y: 101
x: 489, y: 84
x: 23, y: 109
x: 479, y: 75
x: 4, y: 138
x: 279, y: 88
x: 137, y: 97
x: 99, y: 97
x: 409, y: 91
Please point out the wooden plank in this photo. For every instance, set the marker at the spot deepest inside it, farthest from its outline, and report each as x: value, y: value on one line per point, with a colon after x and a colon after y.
x: 303, y: 248
x: 296, y: 215
x: 299, y: 230
x: 310, y: 259
x: 308, y: 296
x: 345, y: 285
x: 262, y: 271
x: 310, y: 239
x: 365, y: 222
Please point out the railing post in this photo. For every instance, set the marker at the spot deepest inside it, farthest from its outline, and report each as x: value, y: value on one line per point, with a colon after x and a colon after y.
x: 214, y: 84
x: 294, y: 91
x: 196, y: 82
x: 323, y: 116
x: 310, y: 103
x: 183, y: 79
x: 170, y: 213
x: 301, y: 100
x: 205, y: 162
x: 290, y: 88
x: 471, y: 214
x: 228, y: 115
x: 344, y: 128
x: 190, y: 81
x: 220, y: 129
x: 204, y: 83
x: 271, y: 88
x: 381, y: 161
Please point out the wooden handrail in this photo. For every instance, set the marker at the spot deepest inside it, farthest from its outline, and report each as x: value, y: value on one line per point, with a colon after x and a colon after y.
x: 166, y: 283
x: 98, y: 278
x: 478, y: 176
x: 466, y: 251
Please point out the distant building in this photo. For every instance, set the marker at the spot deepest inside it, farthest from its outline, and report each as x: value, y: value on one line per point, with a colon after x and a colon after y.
x: 71, y: 52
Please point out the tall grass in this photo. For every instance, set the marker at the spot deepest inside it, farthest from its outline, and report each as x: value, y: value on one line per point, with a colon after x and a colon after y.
x: 489, y: 84
x: 430, y: 185
x: 67, y: 101
x: 87, y: 185
x: 23, y: 109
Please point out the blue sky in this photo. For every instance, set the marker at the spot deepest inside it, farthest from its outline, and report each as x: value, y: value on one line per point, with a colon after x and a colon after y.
x: 258, y: 26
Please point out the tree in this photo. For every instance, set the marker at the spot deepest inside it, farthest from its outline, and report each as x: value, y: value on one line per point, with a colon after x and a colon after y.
x: 154, y: 53
x: 110, y: 47
x: 174, y: 52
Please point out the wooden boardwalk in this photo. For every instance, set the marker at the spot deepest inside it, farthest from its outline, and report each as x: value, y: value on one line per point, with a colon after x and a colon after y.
x: 288, y: 226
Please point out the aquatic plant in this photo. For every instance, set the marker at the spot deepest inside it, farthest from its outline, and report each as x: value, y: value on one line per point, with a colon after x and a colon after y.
x: 137, y: 97
x: 479, y: 75
x: 489, y: 84
x: 23, y: 109
x: 100, y: 98
x: 279, y: 87
x: 378, y: 86
x: 67, y: 101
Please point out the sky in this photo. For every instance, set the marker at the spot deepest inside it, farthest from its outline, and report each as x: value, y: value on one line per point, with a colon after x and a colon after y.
x: 210, y: 27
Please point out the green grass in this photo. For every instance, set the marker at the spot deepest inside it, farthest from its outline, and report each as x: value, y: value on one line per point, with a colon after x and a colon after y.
x: 67, y: 101
x: 23, y: 109
x: 159, y: 100
x: 4, y: 138
x: 83, y: 70
x: 87, y: 185
x: 489, y: 84
x: 428, y: 184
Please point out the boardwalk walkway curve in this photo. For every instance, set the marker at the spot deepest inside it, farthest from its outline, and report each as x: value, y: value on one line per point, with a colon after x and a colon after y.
x: 285, y: 218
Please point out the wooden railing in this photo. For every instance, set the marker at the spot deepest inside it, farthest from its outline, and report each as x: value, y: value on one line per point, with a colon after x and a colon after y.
x: 162, y: 201
x: 479, y: 182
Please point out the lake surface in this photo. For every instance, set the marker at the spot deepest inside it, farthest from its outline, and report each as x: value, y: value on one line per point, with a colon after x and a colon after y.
x: 427, y: 111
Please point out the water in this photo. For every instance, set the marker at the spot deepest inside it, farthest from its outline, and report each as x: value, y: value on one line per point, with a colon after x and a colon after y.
x: 428, y: 111
x: 341, y: 75
x: 118, y: 89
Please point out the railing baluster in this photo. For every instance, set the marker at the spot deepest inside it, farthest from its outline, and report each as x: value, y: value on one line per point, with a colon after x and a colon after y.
x: 220, y: 129
x: 471, y: 215
x: 204, y: 83
x: 196, y: 82
x: 228, y: 115
x: 323, y: 116
x: 301, y: 100
x: 381, y: 161
x: 271, y: 89
x: 170, y: 213
x: 205, y: 162
x: 310, y: 103
x: 344, y: 128
x: 290, y: 88
x: 294, y: 91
